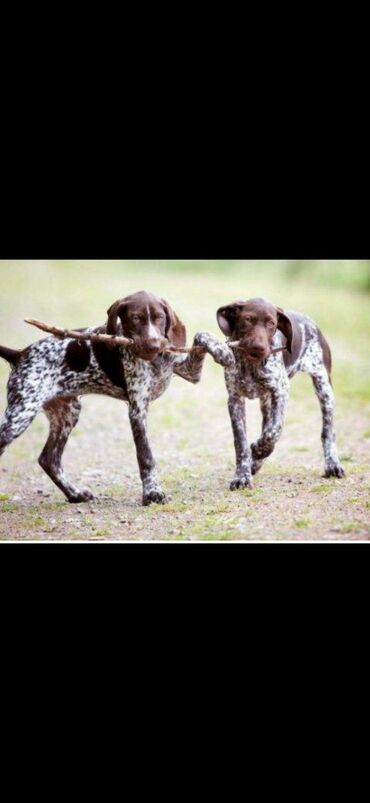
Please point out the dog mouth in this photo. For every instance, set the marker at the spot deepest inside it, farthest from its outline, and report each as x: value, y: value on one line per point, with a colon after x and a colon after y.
x: 254, y: 359
x: 253, y: 356
x: 148, y: 356
x: 148, y: 353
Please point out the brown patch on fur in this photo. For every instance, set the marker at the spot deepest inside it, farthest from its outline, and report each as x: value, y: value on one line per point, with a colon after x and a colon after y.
x: 110, y: 362
x: 326, y: 353
x: 77, y: 355
x: 175, y: 329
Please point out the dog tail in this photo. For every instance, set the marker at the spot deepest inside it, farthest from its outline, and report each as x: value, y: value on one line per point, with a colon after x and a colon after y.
x: 10, y: 355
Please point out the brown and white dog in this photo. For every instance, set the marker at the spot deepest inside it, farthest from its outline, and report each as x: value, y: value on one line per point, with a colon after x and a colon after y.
x: 258, y: 372
x: 52, y: 374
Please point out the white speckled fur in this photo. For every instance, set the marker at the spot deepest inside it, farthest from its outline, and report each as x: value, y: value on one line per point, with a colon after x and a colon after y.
x: 269, y: 381
x: 42, y: 380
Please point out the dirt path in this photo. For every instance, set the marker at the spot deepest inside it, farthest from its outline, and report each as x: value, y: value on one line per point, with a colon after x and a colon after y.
x: 191, y: 439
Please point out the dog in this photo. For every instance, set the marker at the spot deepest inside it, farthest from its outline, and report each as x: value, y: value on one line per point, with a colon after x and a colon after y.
x: 259, y: 372
x: 52, y: 374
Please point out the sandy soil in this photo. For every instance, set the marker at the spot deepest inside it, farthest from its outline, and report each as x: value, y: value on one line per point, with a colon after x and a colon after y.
x: 191, y: 439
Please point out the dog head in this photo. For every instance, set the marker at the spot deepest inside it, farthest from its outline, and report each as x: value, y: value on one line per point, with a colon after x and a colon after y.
x: 254, y: 324
x: 150, y: 321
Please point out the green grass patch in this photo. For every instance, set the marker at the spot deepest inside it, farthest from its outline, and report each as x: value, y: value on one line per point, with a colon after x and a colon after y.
x: 169, y: 507
x: 9, y: 507
x: 350, y: 527
x: 302, y: 523
x: 4, y: 497
x: 36, y: 521
x: 323, y: 488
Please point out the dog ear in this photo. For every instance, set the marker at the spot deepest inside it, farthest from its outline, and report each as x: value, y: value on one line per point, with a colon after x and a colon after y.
x: 175, y: 329
x: 285, y: 325
x: 113, y: 312
x: 226, y: 317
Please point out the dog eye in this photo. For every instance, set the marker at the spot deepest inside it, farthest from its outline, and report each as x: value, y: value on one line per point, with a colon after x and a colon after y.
x: 159, y: 317
x: 135, y: 318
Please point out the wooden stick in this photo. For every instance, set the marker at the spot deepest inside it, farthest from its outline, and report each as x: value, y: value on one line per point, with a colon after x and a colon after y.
x: 234, y: 344
x: 113, y: 340
x: 118, y: 340
x: 53, y: 330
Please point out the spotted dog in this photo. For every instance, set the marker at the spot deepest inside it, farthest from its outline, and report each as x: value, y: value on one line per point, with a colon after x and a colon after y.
x: 256, y: 372
x: 52, y: 374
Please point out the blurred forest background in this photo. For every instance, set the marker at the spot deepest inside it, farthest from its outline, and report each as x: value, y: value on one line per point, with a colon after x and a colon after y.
x: 189, y: 428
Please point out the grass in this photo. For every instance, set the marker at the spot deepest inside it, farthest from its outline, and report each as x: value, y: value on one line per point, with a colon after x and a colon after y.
x: 188, y: 426
x: 302, y: 523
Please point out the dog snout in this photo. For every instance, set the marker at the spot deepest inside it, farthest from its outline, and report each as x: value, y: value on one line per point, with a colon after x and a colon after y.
x: 257, y: 349
x: 148, y: 348
x: 153, y: 345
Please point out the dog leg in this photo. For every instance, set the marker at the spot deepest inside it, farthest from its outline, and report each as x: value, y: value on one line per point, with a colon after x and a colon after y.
x: 63, y: 415
x: 273, y: 407
x: 152, y: 491
x: 325, y: 396
x: 220, y: 352
x: 190, y: 366
x: 242, y: 479
x: 17, y: 417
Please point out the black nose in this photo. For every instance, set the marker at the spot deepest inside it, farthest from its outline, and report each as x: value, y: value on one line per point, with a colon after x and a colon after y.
x: 257, y: 351
x: 153, y: 345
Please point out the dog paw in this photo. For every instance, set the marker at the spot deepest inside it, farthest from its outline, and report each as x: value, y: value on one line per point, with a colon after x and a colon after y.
x: 220, y: 352
x: 223, y: 355
x: 241, y: 482
x: 81, y: 496
x: 334, y: 470
x: 201, y: 340
x: 155, y: 496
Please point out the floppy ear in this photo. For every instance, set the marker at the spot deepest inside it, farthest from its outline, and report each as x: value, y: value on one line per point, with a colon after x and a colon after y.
x: 175, y: 329
x: 113, y: 312
x: 286, y: 327
x: 226, y: 317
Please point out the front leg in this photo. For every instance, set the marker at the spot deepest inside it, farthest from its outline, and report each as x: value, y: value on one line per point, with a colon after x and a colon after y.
x: 273, y: 406
x: 242, y: 479
x: 190, y: 366
x: 152, y: 491
x: 220, y: 352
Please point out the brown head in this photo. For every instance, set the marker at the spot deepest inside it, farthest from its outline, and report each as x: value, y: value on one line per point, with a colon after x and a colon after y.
x: 254, y: 324
x: 149, y: 321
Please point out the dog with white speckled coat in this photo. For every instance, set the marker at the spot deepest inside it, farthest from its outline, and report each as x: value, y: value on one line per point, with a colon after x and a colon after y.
x: 53, y: 373
x: 272, y: 345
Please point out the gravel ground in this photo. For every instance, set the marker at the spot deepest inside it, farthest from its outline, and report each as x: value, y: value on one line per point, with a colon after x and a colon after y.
x: 189, y: 426
x: 191, y: 439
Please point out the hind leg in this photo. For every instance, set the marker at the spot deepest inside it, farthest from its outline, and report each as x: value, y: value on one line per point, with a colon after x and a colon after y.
x: 325, y: 396
x: 63, y: 415
x: 17, y: 417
